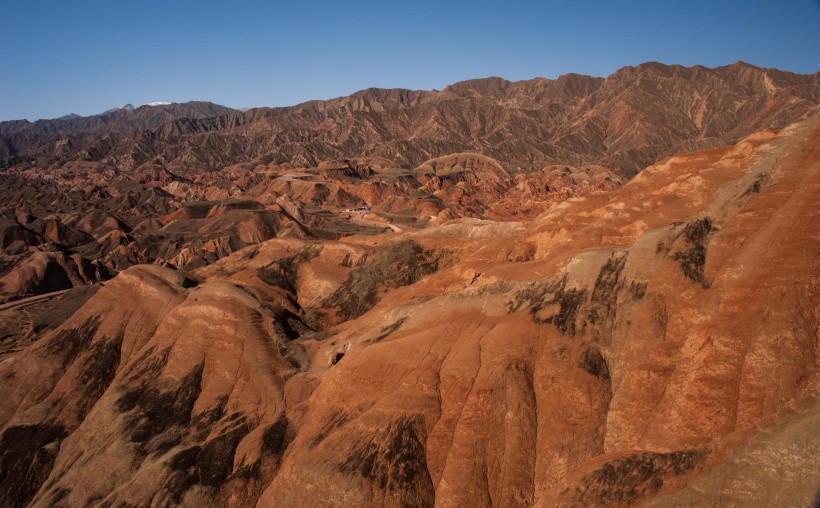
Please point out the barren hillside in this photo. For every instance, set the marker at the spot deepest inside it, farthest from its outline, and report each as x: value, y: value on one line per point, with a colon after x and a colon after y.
x: 654, y: 341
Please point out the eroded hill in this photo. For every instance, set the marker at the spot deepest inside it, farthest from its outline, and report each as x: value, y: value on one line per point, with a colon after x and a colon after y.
x: 655, y: 342
x: 77, y: 225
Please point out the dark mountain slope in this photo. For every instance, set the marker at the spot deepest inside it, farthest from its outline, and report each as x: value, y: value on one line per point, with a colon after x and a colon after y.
x: 626, y: 121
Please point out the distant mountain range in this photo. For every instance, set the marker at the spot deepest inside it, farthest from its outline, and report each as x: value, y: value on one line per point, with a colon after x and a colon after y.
x: 131, y: 107
x: 625, y: 121
x: 126, y: 118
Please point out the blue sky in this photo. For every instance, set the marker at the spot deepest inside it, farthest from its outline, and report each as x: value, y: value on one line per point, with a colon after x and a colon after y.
x: 87, y: 56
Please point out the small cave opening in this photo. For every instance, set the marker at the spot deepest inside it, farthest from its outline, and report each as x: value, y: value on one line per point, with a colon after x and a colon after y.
x: 337, y: 357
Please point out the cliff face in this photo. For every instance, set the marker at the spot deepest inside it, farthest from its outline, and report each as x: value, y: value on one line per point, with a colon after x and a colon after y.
x: 625, y: 122
x: 653, y: 343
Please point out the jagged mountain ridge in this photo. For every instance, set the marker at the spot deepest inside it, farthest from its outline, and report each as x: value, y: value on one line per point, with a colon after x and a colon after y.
x: 121, y: 119
x: 625, y: 121
x: 60, y: 135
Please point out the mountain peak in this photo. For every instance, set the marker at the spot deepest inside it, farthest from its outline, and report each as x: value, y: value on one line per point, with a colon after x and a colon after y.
x: 124, y: 107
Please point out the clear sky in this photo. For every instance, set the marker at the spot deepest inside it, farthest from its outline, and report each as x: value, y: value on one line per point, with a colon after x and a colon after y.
x: 86, y: 56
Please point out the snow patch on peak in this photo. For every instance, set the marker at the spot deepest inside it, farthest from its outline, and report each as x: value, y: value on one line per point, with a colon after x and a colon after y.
x: 159, y: 103
x: 125, y: 107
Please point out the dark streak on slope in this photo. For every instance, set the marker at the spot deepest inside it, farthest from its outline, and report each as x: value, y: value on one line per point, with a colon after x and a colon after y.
x: 551, y: 302
x: 692, y: 255
x: 401, y: 264
x: 395, y: 461
x: 27, y: 454
x: 628, y: 479
x: 158, y: 416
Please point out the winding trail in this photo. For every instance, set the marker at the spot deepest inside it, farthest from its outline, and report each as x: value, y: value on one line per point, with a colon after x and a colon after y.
x: 31, y: 299
x: 366, y: 222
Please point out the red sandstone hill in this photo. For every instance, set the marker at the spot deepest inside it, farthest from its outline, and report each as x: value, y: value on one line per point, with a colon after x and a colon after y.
x: 80, y: 218
x: 654, y: 342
